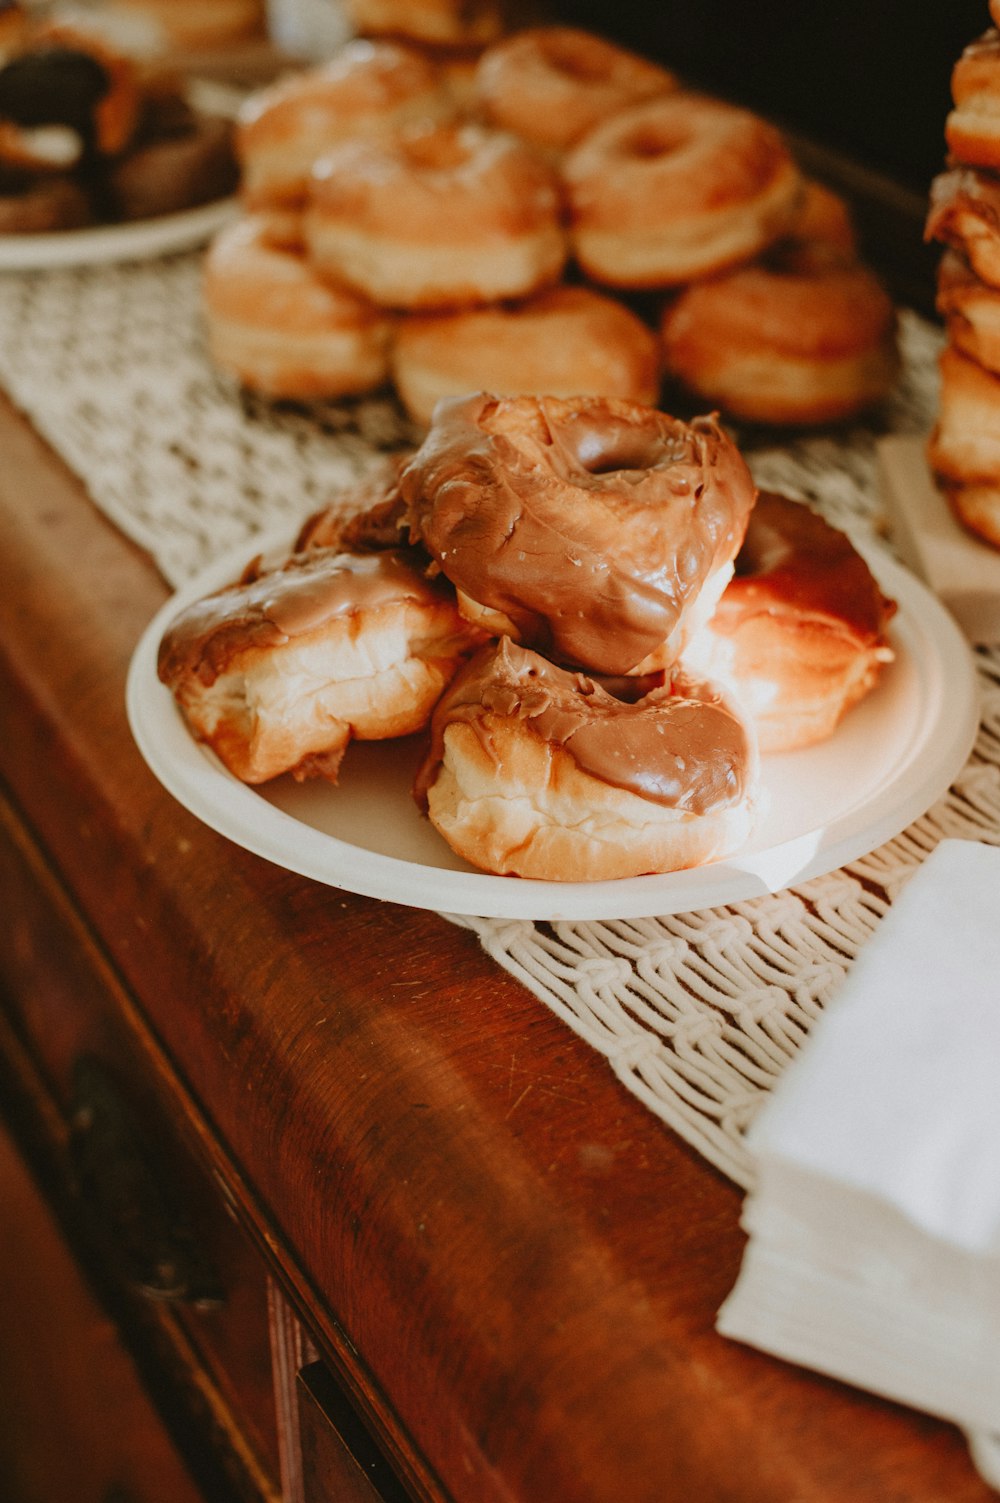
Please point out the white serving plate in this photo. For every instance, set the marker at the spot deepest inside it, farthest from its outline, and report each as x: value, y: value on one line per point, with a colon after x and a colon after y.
x: 890, y: 759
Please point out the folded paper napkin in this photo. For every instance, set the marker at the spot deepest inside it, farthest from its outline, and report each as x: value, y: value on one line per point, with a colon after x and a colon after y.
x: 874, y: 1227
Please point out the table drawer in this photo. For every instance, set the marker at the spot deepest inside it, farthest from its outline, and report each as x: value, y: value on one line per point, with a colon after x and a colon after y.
x: 121, y: 1141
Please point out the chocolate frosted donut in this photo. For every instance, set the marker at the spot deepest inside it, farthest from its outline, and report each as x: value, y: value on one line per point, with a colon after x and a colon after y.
x: 594, y: 530
x: 279, y: 671
x: 799, y: 635
x: 537, y: 772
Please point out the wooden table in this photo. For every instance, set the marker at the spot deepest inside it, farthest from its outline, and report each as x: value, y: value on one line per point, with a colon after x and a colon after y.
x: 368, y: 1219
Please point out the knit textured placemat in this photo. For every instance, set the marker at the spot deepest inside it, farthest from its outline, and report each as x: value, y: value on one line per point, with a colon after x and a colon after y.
x: 697, y: 1013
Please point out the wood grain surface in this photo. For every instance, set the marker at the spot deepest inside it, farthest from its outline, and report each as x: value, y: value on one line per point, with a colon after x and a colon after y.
x: 513, y: 1267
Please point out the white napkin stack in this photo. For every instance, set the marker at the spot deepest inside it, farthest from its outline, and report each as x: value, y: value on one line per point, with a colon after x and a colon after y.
x: 874, y: 1229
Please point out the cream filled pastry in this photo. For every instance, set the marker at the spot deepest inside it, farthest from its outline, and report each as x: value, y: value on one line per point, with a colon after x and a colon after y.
x: 595, y: 530
x: 534, y: 771
x: 278, y: 672
x: 800, y: 632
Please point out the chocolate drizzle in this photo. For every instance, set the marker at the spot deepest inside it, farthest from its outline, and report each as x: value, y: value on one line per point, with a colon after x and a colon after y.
x: 589, y: 523
x: 268, y: 608
x: 678, y: 745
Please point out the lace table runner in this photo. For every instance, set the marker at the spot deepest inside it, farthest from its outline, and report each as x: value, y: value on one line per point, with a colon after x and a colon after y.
x: 697, y: 1013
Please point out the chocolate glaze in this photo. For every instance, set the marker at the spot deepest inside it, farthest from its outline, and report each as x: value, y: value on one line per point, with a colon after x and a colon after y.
x: 590, y: 523
x: 54, y: 86
x: 792, y: 558
x: 678, y: 746
x: 268, y: 608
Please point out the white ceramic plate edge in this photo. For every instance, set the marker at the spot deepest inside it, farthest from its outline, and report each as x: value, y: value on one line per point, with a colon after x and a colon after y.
x: 922, y: 774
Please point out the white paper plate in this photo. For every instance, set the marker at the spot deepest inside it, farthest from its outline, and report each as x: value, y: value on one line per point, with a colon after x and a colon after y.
x: 891, y: 758
x: 139, y: 240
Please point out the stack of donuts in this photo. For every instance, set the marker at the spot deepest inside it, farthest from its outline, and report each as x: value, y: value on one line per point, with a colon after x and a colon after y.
x: 535, y: 211
x: 964, y: 448
x: 90, y: 135
x: 584, y: 606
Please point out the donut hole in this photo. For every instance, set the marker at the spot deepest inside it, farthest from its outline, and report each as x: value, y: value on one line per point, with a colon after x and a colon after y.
x: 647, y: 142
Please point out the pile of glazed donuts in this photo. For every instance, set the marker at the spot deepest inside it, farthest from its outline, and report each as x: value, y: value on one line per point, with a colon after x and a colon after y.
x: 964, y: 216
x: 452, y: 208
x: 91, y: 135
x: 586, y: 608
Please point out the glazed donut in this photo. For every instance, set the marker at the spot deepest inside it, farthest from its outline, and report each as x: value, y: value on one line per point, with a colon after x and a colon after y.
x: 677, y: 188
x: 537, y: 772
x: 964, y: 214
x: 970, y: 309
x: 964, y: 446
x: 567, y: 341
x: 594, y: 530
x: 442, y: 23
x: 972, y: 127
x: 799, y: 635
x: 794, y: 338
x: 367, y: 88
x: 278, y: 672
x: 441, y: 215
x: 550, y: 85
x: 167, y: 170
x: 281, y: 331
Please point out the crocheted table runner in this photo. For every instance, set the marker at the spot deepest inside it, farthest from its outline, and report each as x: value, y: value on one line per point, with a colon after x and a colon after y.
x: 697, y: 1013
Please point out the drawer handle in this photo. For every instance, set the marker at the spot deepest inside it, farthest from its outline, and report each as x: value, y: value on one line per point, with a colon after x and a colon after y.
x: 119, y: 1181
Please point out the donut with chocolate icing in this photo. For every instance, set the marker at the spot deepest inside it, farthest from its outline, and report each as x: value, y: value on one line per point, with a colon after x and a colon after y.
x: 280, y: 330
x: 441, y: 215
x: 800, y: 336
x: 280, y: 671
x: 550, y: 85
x: 565, y: 341
x: 537, y: 772
x: 677, y: 188
x: 175, y: 163
x: 597, y: 531
x: 33, y: 205
x: 799, y: 635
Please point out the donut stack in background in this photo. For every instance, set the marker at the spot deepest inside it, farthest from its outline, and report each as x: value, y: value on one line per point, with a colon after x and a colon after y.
x: 964, y: 216
x: 450, y: 206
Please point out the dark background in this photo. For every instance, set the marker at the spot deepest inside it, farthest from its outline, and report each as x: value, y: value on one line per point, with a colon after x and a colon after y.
x: 870, y: 78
